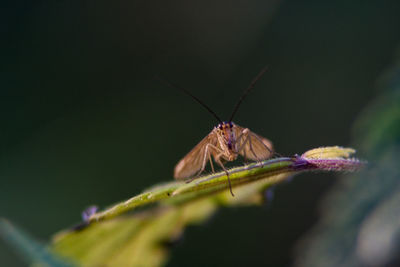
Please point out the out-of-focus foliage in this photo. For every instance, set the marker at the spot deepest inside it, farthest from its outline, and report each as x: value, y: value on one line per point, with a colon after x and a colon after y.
x: 360, y: 224
x: 29, y: 248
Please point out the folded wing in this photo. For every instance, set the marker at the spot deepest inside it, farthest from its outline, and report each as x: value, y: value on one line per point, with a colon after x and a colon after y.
x: 252, y: 146
x: 193, y: 161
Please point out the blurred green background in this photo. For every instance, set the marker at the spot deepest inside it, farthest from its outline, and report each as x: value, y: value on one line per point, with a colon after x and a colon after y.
x: 81, y: 112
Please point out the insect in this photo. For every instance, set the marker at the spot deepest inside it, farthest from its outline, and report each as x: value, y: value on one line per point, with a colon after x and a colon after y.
x: 224, y: 143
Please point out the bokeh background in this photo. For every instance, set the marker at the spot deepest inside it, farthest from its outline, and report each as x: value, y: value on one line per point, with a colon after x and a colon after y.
x: 84, y: 122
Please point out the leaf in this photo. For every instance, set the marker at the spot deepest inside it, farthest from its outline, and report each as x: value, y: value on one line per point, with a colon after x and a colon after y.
x: 135, y: 233
x: 124, y: 235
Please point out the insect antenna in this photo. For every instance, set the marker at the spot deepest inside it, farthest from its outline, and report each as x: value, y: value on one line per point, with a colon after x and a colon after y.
x: 191, y: 95
x: 248, y: 89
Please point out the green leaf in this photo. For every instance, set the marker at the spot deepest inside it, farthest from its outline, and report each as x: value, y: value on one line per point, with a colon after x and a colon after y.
x: 124, y: 235
x: 135, y: 233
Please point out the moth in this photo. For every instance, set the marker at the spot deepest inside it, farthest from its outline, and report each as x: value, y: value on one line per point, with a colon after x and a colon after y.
x: 224, y: 143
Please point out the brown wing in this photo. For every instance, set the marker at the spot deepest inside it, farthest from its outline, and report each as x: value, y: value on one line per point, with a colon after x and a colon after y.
x: 193, y: 161
x: 252, y: 146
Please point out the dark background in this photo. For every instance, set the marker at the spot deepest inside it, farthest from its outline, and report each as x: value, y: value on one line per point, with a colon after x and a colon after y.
x: 84, y: 122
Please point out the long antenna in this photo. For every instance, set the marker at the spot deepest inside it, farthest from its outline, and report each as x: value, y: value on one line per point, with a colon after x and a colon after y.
x: 189, y: 94
x: 248, y: 89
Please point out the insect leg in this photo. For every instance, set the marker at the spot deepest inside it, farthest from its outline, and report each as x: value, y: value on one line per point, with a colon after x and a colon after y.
x: 246, y: 136
x: 251, y: 147
x: 207, y: 154
x: 245, y: 158
x: 203, y: 165
x: 258, y: 138
x: 211, y: 163
x: 213, y: 150
x: 218, y: 160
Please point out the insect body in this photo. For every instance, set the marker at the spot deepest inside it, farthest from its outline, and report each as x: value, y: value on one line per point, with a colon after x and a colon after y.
x: 224, y: 143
